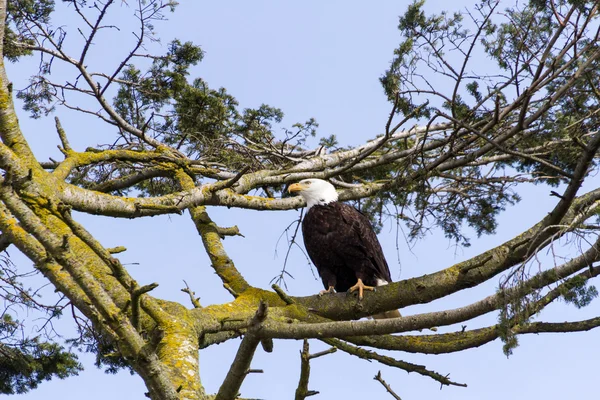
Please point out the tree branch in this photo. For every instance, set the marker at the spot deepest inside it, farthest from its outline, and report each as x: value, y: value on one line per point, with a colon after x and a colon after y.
x: 466, y: 274
x: 211, y: 238
x: 233, y: 381
x: 408, y: 367
x: 132, y: 345
x: 386, y: 386
x: 302, y: 391
x: 195, y: 300
x: 63, y: 136
x: 458, y: 341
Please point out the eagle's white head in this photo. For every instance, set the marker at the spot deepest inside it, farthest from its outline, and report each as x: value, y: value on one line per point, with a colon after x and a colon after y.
x: 314, y: 191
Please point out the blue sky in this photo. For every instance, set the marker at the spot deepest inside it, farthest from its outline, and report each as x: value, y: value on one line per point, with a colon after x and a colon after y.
x: 322, y: 60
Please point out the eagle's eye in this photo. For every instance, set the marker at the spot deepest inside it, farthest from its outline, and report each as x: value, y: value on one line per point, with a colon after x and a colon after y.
x: 308, y: 182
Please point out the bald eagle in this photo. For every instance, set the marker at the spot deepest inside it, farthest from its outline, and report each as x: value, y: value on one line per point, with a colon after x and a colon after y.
x: 341, y: 242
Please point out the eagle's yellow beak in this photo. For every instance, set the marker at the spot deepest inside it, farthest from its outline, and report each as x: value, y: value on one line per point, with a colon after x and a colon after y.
x: 296, y: 187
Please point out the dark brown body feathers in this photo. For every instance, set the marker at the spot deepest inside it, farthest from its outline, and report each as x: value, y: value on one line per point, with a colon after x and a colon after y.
x: 343, y: 246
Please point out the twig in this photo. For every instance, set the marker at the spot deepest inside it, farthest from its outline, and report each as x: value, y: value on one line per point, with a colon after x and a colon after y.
x: 331, y: 350
x: 281, y: 277
x: 195, y: 300
x: 254, y: 371
x: 116, y: 250
x: 283, y: 295
x: 386, y: 386
x: 385, y: 139
x: 136, y: 294
x: 94, y: 31
x: 62, y: 135
x: 556, y: 15
x: 230, y: 290
x: 392, y: 113
x: 228, y: 231
x: 302, y: 391
x: 230, y: 182
x: 506, y: 150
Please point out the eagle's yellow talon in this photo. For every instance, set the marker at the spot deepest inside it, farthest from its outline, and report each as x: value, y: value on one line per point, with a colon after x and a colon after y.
x: 360, y: 286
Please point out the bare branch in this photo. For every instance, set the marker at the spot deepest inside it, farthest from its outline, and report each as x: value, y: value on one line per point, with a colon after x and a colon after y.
x: 228, y: 231
x: 386, y: 386
x: 195, y: 300
x: 282, y: 294
x: 408, y: 367
x: 116, y: 250
x: 63, y: 136
x: 302, y: 391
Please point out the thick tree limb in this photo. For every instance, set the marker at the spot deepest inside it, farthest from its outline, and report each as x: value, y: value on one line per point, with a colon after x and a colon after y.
x: 132, y: 345
x: 462, y: 275
x: 233, y: 381
x: 212, y: 240
x: 458, y: 341
x: 473, y: 310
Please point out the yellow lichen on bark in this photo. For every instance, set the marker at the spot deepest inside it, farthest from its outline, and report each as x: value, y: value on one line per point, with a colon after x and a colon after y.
x: 213, y: 244
x: 92, y: 284
x: 429, y: 344
x: 178, y: 351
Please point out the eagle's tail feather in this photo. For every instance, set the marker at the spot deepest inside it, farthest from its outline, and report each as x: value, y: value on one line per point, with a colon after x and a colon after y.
x: 387, y: 314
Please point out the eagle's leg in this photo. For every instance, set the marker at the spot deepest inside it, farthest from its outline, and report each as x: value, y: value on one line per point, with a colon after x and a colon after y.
x: 330, y: 290
x: 360, y: 286
x: 329, y: 280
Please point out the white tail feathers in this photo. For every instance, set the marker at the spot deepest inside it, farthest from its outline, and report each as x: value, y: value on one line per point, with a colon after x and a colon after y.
x: 386, y: 314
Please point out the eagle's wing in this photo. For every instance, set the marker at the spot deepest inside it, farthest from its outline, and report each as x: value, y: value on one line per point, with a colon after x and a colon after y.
x: 320, y: 229
x: 364, y: 243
